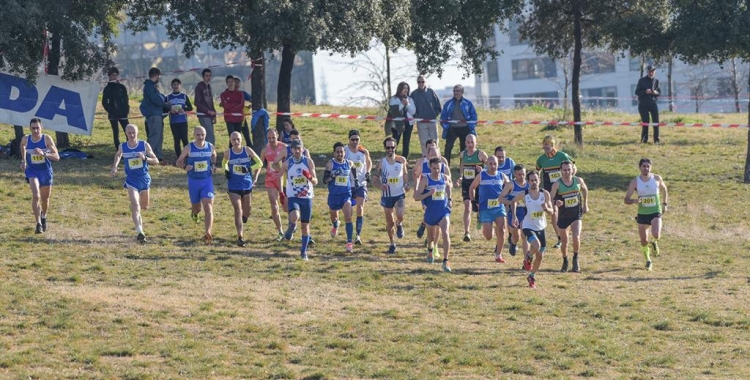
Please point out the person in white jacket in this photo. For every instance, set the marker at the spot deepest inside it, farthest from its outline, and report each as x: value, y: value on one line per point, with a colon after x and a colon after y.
x: 402, y: 105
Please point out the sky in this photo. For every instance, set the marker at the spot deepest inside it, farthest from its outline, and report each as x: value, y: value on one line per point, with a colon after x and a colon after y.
x: 337, y: 76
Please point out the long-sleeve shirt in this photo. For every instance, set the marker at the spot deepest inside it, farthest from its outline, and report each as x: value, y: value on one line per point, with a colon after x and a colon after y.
x: 115, y: 100
x: 203, y: 99
x: 644, y: 84
x: 427, y: 104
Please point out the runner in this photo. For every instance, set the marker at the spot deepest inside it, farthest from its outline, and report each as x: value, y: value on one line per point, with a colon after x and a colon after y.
x: 360, y: 157
x: 276, y: 196
x: 338, y: 177
x: 572, y: 200
x: 505, y: 164
x: 489, y: 184
x: 198, y: 158
x: 299, y: 171
x: 137, y: 155
x: 434, y: 191
x: 548, y: 165
x: 534, y: 223
x: 471, y: 162
x: 650, y: 207
x: 239, y: 163
x: 392, y: 177
x: 422, y: 166
x: 36, y: 165
x: 517, y: 210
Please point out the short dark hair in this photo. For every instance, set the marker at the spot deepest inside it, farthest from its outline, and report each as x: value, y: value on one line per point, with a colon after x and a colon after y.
x: 387, y: 139
x: 206, y: 71
x: 518, y: 167
x: 499, y: 148
x: 644, y: 160
x: 154, y: 71
x: 294, y: 132
x: 533, y: 172
x: 113, y: 70
x: 435, y: 160
x: 229, y: 77
x: 176, y: 80
x: 353, y: 132
x: 566, y: 162
x: 35, y: 120
x: 337, y: 144
x: 428, y: 142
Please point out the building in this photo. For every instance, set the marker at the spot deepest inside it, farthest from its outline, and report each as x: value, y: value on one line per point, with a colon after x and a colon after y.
x: 519, y: 77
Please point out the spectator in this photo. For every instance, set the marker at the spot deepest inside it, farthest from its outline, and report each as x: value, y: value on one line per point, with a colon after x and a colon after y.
x: 178, y: 120
x: 115, y: 102
x: 459, y: 119
x: 152, y: 106
x: 233, y: 103
x: 401, y: 105
x: 427, y: 106
x: 204, y: 105
x: 247, y: 98
x: 648, y: 90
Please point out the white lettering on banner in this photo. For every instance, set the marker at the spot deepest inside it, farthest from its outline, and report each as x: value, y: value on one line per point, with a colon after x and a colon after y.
x: 63, y: 106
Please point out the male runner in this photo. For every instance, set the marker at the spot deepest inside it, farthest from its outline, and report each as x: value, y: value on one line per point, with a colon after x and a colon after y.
x: 489, y: 184
x: 274, y: 150
x: 650, y: 207
x: 360, y: 157
x: 239, y: 162
x: 470, y: 165
x: 548, y: 165
x: 337, y: 176
x: 434, y: 191
x: 572, y: 200
x: 299, y: 172
x: 198, y: 158
x: 518, y: 210
x: 36, y: 164
x: 392, y: 174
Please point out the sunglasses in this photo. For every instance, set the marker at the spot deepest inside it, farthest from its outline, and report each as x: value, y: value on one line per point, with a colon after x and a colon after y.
x: 390, y: 147
x: 353, y: 139
x: 420, y: 81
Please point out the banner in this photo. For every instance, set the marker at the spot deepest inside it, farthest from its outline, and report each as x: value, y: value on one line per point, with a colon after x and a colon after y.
x: 61, y: 105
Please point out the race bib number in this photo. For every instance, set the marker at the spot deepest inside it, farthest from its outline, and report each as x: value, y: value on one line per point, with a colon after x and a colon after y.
x: 135, y: 163
x: 537, y: 215
x: 571, y: 202
x: 237, y: 169
x: 357, y: 164
x: 342, y: 180
x: 522, y: 203
x: 394, y: 181
x: 469, y: 173
x: 493, y: 203
x: 299, y: 181
x: 37, y: 159
x: 200, y: 166
x: 439, y: 195
x: 649, y: 201
x: 554, y: 176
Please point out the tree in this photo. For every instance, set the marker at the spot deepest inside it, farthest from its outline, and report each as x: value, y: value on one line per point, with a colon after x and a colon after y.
x: 718, y: 29
x: 78, y: 36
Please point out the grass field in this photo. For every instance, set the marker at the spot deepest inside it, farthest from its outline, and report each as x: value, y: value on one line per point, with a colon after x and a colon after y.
x: 84, y: 301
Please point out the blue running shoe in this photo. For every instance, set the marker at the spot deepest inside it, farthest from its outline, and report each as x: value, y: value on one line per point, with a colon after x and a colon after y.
x: 420, y: 230
x: 392, y: 249
x: 400, y: 231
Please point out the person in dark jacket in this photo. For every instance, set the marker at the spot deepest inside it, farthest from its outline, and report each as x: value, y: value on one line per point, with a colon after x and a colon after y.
x: 152, y: 108
x: 115, y: 102
x: 648, y: 91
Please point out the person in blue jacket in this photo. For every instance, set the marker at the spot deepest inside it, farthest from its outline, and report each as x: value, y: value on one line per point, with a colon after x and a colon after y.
x: 152, y: 108
x: 459, y: 119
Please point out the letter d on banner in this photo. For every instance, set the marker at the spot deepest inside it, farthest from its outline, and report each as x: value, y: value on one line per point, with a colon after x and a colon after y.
x: 63, y: 106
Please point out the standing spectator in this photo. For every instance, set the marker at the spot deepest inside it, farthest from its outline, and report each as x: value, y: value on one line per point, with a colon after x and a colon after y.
x: 247, y: 99
x: 178, y: 122
x: 152, y: 106
x: 233, y: 103
x: 401, y: 105
x: 648, y: 90
x: 204, y: 105
x: 427, y: 106
x: 115, y: 102
x: 464, y: 121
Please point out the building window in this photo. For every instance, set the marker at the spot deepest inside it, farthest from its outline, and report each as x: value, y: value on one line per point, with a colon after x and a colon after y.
x: 546, y: 99
x: 601, y: 97
x: 597, y: 63
x: 534, y: 68
x: 514, y: 35
x: 492, y: 74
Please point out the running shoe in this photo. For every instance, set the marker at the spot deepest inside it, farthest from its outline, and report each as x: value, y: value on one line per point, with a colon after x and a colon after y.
x: 38, y: 228
x: 312, y: 242
x: 334, y: 231
x: 280, y: 237
x: 649, y: 266
x: 430, y: 256
x: 207, y: 238
x: 358, y: 241
x: 565, y: 265
x: 240, y: 242
x: 532, y: 281
x: 304, y: 256
x: 512, y: 249
x: 44, y: 224
x: 349, y: 247
x: 467, y: 237
x: 558, y: 244
x: 420, y: 230
x: 527, y: 263
x: 436, y: 254
x: 400, y: 231
x: 576, y: 267
x: 499, y: 258
x: 194, y: 217
x: 141, y: 238
x: 392, y: 249
x: 446, y: 266
x: 654, y: 245
x: 289, y: 234
x: 244, y: 219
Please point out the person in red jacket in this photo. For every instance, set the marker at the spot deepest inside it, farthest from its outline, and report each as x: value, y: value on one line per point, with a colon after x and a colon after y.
x: 233, y: 102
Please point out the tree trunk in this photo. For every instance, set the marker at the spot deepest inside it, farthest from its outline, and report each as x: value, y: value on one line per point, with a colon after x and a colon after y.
x: 53, y: 64
x: 15, y: 147
x: 284, y: 89
x: 258, y: 83
x: 669, y: 83
x: 387, y: 73
x: 735, y: 85
x: 746, y: 177
x: 577, y: 128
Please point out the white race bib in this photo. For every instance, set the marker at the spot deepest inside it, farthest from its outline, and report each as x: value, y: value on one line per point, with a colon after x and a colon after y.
x: 200, y: 166
x: 135, y: 163
x: 342, y: 180
x: 571, y: 202
x: 649, y: 201
x: 493, y: 203
x: 554, y: 176
x: 537, y: 215
x: 469, y: 173
x: 237, y: 169
x: 299, y: 181
x: 439, y: 195
x: 37, y: 159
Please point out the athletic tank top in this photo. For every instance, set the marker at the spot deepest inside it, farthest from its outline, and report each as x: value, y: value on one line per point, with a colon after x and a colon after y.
x: 507, y: 167
x: 426, y: 167
x: 535, y: 218
x: 241, y: 176
x: 392, y: 176
x: 34, y: 161
x: 518, y: 189
x: 135, y: 167
x: 359, y: 159
x: 490, y: 187
x: 200, y: 158
x: 469, y: 164
x: 436, y: 203
x: 342, y: 181
x: 286, y: 138
x: 648, y: 196
x: 571, y: 197
x: 270, y: 156
x: 297, y: 185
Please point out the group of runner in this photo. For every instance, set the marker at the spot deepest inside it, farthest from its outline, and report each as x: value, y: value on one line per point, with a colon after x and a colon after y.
x: 508, y: 200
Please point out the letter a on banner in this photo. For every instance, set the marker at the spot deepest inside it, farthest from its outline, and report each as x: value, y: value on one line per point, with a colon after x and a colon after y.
x: 62, y: 105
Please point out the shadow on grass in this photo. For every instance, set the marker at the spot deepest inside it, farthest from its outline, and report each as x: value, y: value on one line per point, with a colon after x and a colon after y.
x: 706, y: 276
